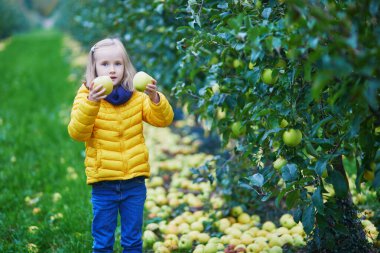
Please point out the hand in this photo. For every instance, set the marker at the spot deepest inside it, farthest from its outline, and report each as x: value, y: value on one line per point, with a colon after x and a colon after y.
x: 96, y: 94
x: 151, y: 91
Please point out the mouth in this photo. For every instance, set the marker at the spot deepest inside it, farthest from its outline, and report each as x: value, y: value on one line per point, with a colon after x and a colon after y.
x: 113, y: 78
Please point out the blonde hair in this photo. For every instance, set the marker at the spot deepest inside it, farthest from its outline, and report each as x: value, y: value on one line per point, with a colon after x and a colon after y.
x: 129, y: 70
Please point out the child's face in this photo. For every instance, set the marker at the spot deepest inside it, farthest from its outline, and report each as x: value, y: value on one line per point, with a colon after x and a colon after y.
x: 109, y: 62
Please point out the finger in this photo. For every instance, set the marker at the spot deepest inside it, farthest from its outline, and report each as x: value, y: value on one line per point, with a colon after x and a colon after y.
x: 100, y: 93
x: 151, y: 87
x: 98, y: 88
x: 91, y: 85
x: 154, y: 81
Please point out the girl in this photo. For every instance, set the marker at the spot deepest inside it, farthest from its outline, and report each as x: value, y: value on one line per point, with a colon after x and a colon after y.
x: 116, y: 155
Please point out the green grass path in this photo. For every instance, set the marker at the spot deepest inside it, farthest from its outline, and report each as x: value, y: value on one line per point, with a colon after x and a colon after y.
x: 36, y: 151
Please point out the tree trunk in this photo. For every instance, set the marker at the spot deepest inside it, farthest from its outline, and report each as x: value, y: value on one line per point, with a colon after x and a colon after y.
x: 340, y: 229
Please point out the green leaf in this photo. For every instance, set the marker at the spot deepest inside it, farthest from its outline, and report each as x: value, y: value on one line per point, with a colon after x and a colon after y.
x: 276, y: 43
x: 307, y: 71
x: 318, y: 200
x: 298, y: 214
x: 279, y: 197
x: 320, y: 166
x: 289, y: 172
x: 292, y: 198
x: 371, y: 93
x: 266, y: 13
x: 315, y: 128
x: 257, y: 180
x: 339, y: 183
x: 308, y: 218
x: 276, y: 130
x: 319, y: 84
x: 376, y: 181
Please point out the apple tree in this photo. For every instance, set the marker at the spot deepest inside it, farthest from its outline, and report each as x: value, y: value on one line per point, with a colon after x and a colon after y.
x: 301, y: 80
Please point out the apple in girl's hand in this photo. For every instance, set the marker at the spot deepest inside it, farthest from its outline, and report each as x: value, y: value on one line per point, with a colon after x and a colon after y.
x: 141, y: 80
x: 104, y: 81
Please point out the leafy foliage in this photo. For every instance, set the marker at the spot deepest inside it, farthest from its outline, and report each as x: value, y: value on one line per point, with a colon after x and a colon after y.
x: 12, y: 19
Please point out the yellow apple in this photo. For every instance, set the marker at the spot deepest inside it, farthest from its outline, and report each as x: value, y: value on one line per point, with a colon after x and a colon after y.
x: 197, y: 226
x: 141, y: 80
x: 203, y: 237
x: 104, y: 81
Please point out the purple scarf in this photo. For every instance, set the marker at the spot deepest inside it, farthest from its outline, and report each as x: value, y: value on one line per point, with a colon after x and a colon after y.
x: 119, y: 95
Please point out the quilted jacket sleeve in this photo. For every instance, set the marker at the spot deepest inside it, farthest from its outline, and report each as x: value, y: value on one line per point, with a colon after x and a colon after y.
x: 159, y: 115
x: 83, y: 115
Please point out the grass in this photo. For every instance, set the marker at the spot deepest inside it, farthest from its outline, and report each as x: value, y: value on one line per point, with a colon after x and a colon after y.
x: 38, y: 160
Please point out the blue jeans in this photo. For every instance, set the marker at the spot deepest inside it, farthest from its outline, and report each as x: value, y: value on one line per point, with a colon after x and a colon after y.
x: 109, y: 198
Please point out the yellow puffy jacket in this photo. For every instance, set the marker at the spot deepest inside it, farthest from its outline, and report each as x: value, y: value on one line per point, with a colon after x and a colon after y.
x: 115, y: 145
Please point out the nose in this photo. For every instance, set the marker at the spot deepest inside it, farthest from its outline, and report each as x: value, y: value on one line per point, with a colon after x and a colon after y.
x: 112, y: 69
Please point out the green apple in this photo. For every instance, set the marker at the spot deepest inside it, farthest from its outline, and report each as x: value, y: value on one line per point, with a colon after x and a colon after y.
x: 267, y: 77
x: 269, y: 226
x: 369, y: 175
x: 215, y: 88
x: 104, y: 81
x: 298, y: 241
x: 149, y: 238
x: 237, y: 63
x: 275, y: 241
x: 197, y: 226
x: 279, y: 163
x: 185, y: 242
x: 141, y: 80
x: 238, y: 129
x: 210, y: 248
x: 284, y: 123
x: 254, y: 248
x: 292, y: 137
x: 287, y: 221
x: 275, y: 249
x: 281, y: 64
x: 236, y: 211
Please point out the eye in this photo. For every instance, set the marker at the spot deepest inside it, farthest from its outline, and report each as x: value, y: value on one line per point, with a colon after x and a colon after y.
x: 118, y: 64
